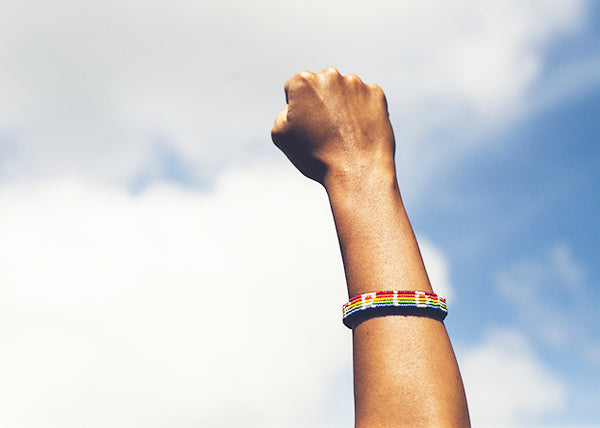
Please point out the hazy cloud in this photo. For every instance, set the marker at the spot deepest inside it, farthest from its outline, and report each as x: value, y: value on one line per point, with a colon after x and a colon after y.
x: 86, y: 89
x: 507, y: 384
x: 438, y: 269
x: 555, y: 281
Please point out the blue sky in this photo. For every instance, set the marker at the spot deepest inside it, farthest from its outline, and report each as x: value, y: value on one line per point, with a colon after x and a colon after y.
x: 506, y: 213
x: 138, y: 186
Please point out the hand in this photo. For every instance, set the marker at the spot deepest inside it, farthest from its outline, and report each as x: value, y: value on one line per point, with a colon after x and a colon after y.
x: 335, y: 127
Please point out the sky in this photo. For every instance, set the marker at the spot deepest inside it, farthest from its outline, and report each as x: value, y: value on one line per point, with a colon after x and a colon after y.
x: 157, y: 251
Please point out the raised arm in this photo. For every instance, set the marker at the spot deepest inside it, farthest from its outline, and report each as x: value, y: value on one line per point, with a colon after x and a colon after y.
x: 335, y: 129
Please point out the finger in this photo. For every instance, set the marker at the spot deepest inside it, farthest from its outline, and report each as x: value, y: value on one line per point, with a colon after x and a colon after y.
x: 378, y: 94
x: 373, y: 87
x: 280, y: 126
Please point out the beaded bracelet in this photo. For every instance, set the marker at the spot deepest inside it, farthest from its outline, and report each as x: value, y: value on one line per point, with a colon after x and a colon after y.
x: 393, y: 302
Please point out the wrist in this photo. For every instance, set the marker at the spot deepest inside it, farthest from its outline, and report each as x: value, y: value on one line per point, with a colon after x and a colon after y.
x: 353, y: 187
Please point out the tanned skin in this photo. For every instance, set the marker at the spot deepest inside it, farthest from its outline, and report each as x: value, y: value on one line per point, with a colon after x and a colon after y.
x: 335, y: 129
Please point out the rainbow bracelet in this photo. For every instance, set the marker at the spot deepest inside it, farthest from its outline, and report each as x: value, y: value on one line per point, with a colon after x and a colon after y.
x: 393, y: 302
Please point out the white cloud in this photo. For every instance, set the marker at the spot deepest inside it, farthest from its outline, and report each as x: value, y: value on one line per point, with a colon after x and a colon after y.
x: 85, y: 88
x: 171, y: 307
x: 438, y: 269
x: 507, y: 385
x: 174, y: 307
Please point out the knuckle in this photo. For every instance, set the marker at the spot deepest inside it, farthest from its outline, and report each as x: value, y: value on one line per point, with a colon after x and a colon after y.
x: 298, y: 80
x: 376, y: 90
x: 306, y: 75
x: 331, y: 71
x: 330, y: 74
x: 353, y: 79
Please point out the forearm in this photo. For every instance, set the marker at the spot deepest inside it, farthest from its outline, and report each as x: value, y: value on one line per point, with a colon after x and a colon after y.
x: 377, y: 242
x: 405, y: 372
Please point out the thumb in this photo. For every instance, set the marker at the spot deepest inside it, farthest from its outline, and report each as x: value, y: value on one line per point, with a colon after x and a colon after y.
x: 281, y: 125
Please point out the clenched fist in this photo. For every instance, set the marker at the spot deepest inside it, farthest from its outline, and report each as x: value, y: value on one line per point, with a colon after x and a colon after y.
x: 335, y: 127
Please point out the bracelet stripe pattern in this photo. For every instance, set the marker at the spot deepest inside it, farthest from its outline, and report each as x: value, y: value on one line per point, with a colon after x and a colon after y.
x: 393, y: 302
